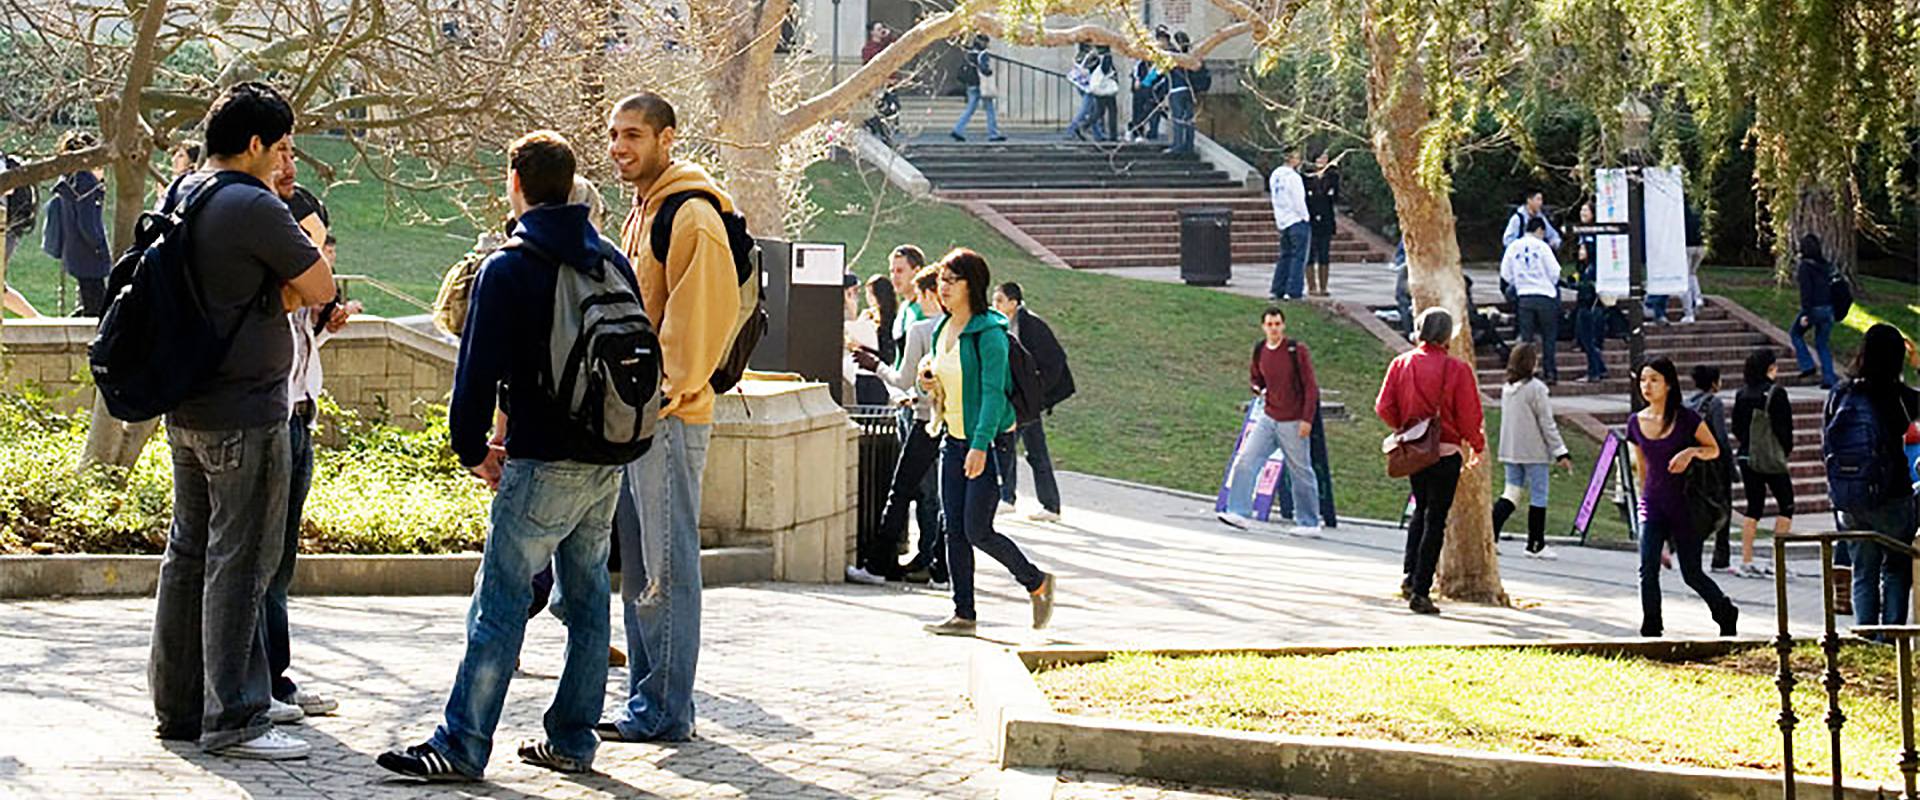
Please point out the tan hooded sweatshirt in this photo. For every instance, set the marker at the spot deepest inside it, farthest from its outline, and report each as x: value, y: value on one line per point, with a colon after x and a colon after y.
x: 694, y: 298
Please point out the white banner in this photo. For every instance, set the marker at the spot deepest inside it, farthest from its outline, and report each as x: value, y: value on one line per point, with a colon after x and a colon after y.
x: 1666, y: 208
x: 1612, y: 274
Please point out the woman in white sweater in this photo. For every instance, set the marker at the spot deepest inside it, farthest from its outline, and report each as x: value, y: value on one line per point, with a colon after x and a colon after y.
x: 1530, y: 445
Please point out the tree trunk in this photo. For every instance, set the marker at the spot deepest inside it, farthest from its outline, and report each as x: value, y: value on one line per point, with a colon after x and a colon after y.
x: 1398, y: 116
x: 1828, y: 214
x: 110, y: 441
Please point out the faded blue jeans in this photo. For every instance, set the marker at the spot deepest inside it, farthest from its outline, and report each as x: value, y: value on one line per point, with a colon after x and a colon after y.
x: 546, y: 511
x: 1820, y: 320
x: 1290, y: 270
x: 208, y: 668
x: 1180, y: 102
x: 1267, y: 436
x: 1881, y: 580
x: 660, y: 584
x: 974, y: 101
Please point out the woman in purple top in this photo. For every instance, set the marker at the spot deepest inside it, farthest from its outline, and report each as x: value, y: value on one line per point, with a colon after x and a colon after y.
x: 1666, y: 438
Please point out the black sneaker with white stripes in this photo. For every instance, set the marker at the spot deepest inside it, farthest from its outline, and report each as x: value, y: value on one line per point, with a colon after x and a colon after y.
x: 541, y: 754
x: 422, y: 762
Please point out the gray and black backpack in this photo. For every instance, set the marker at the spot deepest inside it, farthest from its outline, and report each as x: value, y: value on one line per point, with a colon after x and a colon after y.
x: 604, y: 358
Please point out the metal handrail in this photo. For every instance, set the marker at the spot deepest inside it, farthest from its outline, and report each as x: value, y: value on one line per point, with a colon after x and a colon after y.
x: 346, y: 280
x: 1032, y: 93
x: 1830, y: 645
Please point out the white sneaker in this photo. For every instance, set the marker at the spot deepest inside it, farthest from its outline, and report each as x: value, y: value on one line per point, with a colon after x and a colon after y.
x: 1233, y: 520
x: 284, y: 713
x: 314, y: 705
x: 1307, y: 531
x: 858, y: 575
x: 1544, y: 554
x: 1044, y: 515
x: 270, y: 746
x: 940, y: 586
x: 1005, y: 508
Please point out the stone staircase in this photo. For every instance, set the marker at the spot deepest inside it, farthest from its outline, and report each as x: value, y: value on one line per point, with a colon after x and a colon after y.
x: 1098, y: 206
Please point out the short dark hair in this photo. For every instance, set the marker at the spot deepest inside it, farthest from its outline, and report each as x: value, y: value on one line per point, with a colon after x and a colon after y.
x: 247, y: 109
x: 1758, y: 361
x: 972, y: 268
x: 1534, y: 192
x: 654, y: 110
x: 544, y: 161
x: 1536, y: 225
x: 1011, y: 291
x: 1705, y: 376
x: 331, y: 239
x: 1274, y: 311
x: 928, y: 278
x: 1435, y: 325
x: 915, y: 257
x: 190, y: 148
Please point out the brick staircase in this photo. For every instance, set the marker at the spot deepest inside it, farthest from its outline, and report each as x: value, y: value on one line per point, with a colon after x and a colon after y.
x: 1108, y: 205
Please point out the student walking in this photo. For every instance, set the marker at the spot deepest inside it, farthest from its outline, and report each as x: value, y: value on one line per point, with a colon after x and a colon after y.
x: 1288, y: 193
x: 976, y: 74
x: 694, y: 291
x: 1815, y: 277
x: 555, y: 475
x: 1666, y: 438
x: 1281, y: 376
x: 1428, y: 383
x: 969, y: 374
x: 1098, y: 110
x: 1763, y: 422
x: 1865, y: 421
x: 1056, y: 380
x: 1530, y: 445
x: 1323, y: 191
x: 1705, y: 401
x: 1533, y: 272
x: 209, y: 669
x: 914, y: 479
x: 76, y: 207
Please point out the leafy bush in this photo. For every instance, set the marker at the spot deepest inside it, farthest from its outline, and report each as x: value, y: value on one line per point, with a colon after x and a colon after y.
x: 380, y: 489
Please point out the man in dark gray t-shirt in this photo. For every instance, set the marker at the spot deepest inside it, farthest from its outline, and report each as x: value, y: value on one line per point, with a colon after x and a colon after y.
x: 242, y: 273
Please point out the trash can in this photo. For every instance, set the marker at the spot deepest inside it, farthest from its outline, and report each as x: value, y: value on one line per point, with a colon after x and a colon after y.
x: 1206, y: 245
x: 879, y: 447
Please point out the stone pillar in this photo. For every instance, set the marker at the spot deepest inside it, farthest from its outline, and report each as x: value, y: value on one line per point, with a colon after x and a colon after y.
x: 779, y: 474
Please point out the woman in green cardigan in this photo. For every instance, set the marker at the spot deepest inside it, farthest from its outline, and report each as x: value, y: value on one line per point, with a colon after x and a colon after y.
x: 968, y: 370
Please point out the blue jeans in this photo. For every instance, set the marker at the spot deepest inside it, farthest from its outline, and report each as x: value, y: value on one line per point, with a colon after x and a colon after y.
x: 1290, y: 270
x: 970, y: 506
x: 1034, y: 436
x: 974, y: 101
x: 1687, y: 550
x: 1590, y: 329
x: 1820, y: 319
x: 1267, y: 436
x: 208, y: 667
x: 660, y: 584
x: 545, y: 511
x: 273, y: 614
x: 1534, y: 477
x: 1088, y: 119
x: 1881, y: 579
x: 1182, y: 105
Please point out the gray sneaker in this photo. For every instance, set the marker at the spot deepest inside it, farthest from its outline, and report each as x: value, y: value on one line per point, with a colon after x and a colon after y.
x: 1043, y: 602
x: 954, y: 626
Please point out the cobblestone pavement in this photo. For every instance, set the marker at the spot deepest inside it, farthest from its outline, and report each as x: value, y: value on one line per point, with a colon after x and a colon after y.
x: 806, y: 691
x: 1108, y: 786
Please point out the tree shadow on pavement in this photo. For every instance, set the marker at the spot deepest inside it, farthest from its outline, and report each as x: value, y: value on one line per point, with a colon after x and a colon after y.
x: 718, y: 764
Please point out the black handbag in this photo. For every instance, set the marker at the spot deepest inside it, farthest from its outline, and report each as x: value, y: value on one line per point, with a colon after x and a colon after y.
x: 1709, y: 503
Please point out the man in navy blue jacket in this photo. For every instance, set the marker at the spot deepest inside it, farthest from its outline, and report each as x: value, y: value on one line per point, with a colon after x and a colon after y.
x: 552, y: 503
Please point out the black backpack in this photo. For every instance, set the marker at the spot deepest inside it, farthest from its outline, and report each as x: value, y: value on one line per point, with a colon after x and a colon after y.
x: 970, y: 69
x: 1025, y: 390
x: 750, y: 324
x: 23, y: 203
x: 603, y: 358
x: 1201, y: 80
x: 156, y: 340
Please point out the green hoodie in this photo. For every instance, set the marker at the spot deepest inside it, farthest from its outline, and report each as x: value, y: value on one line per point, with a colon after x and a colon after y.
x: 984, y: 373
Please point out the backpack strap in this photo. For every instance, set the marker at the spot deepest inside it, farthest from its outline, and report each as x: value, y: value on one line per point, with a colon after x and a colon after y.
x: 660, y: 234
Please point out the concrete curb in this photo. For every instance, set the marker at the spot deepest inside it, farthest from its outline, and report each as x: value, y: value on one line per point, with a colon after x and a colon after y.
x: 32, y: 577
x: 899, y: 171
x: 1026, y: 734
x: 1236, y: 168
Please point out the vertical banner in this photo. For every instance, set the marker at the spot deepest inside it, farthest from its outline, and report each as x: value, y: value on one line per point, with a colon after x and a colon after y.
x: 1666, y: 227
x: 1612, y: 275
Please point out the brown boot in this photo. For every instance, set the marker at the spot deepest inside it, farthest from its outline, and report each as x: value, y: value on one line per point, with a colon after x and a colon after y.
x: 615, y: 658
x: 1322, y: 269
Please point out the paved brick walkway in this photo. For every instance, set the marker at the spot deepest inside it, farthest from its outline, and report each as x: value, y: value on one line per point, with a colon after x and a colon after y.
x: 806, y: 691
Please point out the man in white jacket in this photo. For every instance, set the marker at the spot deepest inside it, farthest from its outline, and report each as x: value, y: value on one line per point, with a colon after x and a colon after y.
x: 1530, y: 267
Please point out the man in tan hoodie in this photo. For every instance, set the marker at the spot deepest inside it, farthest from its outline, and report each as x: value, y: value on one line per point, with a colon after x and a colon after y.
x: 693, y: 299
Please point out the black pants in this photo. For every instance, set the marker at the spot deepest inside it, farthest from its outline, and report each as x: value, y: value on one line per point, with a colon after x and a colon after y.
x: 1540, y: 318
x: 917, y: 456
x: 1433, y: 489
x: 1320, y: 248
x: 1759, y: 484
x: 93, y: 297
x: 1686, y: 550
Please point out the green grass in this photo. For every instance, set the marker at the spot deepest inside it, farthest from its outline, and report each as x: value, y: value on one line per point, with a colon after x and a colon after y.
x: 376, y: 239
x: 1877, y: 300
x: 1717, y: 714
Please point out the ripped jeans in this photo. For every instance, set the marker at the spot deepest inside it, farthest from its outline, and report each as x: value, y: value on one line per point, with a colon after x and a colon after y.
x: 660, y: 584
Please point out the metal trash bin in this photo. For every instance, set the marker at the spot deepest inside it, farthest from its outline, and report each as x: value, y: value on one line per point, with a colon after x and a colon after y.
x: 1206, y: 245
x: 879, y: 448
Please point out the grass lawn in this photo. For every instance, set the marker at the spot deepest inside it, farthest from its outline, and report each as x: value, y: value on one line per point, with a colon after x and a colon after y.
x: 1877, y: 300
x: 1718, y: 714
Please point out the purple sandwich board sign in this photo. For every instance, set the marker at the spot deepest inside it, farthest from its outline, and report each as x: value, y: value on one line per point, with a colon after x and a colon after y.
x: 1269, y: 479
x: 1612, y: 455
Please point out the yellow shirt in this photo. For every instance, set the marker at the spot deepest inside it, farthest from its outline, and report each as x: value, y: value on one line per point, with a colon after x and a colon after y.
x: 946, y: 370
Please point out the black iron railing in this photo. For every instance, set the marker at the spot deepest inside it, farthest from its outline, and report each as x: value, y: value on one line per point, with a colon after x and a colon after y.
x: 1902, y: 636
x: 1034, y: 94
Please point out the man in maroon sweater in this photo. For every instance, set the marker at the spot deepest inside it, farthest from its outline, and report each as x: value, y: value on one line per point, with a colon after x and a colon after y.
x: 1282, y: 374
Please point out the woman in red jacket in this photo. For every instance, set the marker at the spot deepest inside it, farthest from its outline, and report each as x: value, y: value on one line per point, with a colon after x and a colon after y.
x: 1427, y: 382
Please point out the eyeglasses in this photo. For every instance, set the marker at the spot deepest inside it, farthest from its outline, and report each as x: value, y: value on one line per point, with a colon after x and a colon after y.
x: 948, y: 277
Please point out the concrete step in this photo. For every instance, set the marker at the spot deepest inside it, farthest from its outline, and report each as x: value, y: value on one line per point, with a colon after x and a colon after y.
x: 1200, y: 196
x: 1069, y: 236
x: 1569, y: 356
x: 1107, y: 184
